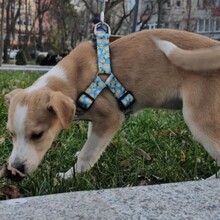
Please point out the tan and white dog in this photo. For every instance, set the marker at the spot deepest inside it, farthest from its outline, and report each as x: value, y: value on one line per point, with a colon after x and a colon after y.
x: 157, y: 72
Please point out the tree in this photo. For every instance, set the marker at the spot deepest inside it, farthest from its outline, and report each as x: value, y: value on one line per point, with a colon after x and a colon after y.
x: 27, y: 33
x: 1, y: 29
x: 66, y: 24
x: 146, y: 15
x: 111, y: 9
x: 160, y: 4
x: 42, y: 7
x: 122, y: 18
x: 12, y: 14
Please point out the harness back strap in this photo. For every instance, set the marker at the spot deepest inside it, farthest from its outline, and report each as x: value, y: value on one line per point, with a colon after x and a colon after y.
x: 87, y: 98
x: 103, y: 52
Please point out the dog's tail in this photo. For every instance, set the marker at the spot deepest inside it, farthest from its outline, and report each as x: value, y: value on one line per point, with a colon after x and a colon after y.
x: 196, y: 60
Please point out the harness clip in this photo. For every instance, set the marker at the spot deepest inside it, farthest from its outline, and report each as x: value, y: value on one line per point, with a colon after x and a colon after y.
x: 85, y: 101
x: 126, y: 100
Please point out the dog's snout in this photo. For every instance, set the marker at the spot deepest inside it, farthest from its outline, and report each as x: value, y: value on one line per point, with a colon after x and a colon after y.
x: 20, y: 167
x: 16, y: 176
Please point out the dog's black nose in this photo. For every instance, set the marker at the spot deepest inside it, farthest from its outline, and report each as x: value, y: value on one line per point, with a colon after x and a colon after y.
x: 21, y: 168
x: 16, y: 177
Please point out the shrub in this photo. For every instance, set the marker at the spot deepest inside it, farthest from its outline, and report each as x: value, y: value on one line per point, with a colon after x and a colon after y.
x: 20, y: 58
x: 39, y: 59
x: 51, y: 53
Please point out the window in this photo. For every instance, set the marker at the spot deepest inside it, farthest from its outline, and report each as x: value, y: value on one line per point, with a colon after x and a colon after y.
x: 152, y: 26
x: 200, y: 26
x: 177, y: 25
x: 208, y: 25
x: 148, y: 7
x: 217, y: 3
x: 217, y: 24
x: 19, y: 21
x: 166, y: 25
x: 212, y: 25
x: 178, y: 3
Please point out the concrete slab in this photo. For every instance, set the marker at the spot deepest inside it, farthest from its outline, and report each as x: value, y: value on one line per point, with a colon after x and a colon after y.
x: 25, y: 67
x: 198, y: 200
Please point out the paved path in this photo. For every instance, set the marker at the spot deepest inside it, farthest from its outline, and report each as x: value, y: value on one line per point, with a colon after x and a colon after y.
x: 198, y: 200
x: 25, y: 67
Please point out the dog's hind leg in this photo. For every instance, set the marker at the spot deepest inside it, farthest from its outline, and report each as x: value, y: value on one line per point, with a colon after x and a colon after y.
x: 103, y: 130
x: 203, y: 119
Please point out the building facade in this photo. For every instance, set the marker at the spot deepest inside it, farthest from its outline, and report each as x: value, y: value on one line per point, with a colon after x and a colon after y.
x: 200, y: 16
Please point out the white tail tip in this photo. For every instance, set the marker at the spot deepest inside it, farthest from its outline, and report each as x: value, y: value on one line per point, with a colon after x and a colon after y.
x: 165, y: 46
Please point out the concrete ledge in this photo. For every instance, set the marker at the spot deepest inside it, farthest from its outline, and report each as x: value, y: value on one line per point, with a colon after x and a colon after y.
x: 189, y: 200
x: 25, y: 67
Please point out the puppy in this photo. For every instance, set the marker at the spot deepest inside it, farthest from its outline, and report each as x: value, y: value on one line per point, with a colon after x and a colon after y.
x: 157, y: 72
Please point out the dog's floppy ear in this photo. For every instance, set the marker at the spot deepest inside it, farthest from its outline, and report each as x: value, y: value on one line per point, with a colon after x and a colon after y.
x: 64, y: 108
x: 11, y: 94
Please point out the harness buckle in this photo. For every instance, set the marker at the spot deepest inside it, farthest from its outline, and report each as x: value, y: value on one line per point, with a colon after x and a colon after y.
x: 126, y: 100
x: 85, y: 101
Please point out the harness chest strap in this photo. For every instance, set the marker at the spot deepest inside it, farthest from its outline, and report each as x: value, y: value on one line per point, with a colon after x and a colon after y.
x: 87, y: 98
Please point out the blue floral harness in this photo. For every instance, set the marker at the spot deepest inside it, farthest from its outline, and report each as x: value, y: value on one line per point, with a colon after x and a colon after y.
x: 87, y: 98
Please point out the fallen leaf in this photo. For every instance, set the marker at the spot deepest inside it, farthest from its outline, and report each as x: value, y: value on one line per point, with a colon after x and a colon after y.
x: 182, y: 156
x: 168, y: 132
x: 142, y: 183
x: 142, y: 179
x: 3, y: 171
x: 9, y: 192
x: 56, y: 182
x: 142, y: 153
x: 155, y: 179
x: 125, y: 163
x: 2, y: 139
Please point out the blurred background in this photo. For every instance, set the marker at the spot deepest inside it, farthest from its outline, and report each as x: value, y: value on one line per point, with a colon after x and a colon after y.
x: 51, y: 28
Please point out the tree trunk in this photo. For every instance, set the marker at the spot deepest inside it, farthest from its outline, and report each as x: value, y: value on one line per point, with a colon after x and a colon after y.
x: 26, y: 39
x: 40, y: 34
x: 159, y: 13
x: 7, y: 36
x: 188, y: 19
x: 2, y: 27
x: 11, y: 19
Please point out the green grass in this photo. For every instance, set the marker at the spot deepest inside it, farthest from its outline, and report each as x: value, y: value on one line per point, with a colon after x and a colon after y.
x: 174, y: 154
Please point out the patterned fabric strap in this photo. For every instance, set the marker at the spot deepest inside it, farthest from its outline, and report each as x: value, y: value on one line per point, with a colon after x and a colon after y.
x: 124, y: 97
x: 88, y: 97
x: 103, y: 53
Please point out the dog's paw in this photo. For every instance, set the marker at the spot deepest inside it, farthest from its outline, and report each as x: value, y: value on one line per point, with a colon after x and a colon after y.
x: 77, y: 154
x: 82, y: 166
x: 67, y: 175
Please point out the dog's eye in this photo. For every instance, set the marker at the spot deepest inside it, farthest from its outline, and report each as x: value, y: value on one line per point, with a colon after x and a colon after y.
x: 37, y: 136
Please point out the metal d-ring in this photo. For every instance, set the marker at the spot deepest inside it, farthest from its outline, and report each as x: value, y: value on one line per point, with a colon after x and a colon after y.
x: 103, y: 26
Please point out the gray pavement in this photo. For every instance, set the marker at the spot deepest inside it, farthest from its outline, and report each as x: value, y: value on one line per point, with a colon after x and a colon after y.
x: 198, y: 200
x: 25, y: 67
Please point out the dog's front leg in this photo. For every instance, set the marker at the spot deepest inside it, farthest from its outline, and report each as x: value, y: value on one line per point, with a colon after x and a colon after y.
x: 101, y: 131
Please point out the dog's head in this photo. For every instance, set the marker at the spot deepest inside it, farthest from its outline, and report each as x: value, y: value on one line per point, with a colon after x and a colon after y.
x: 34, y: 120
